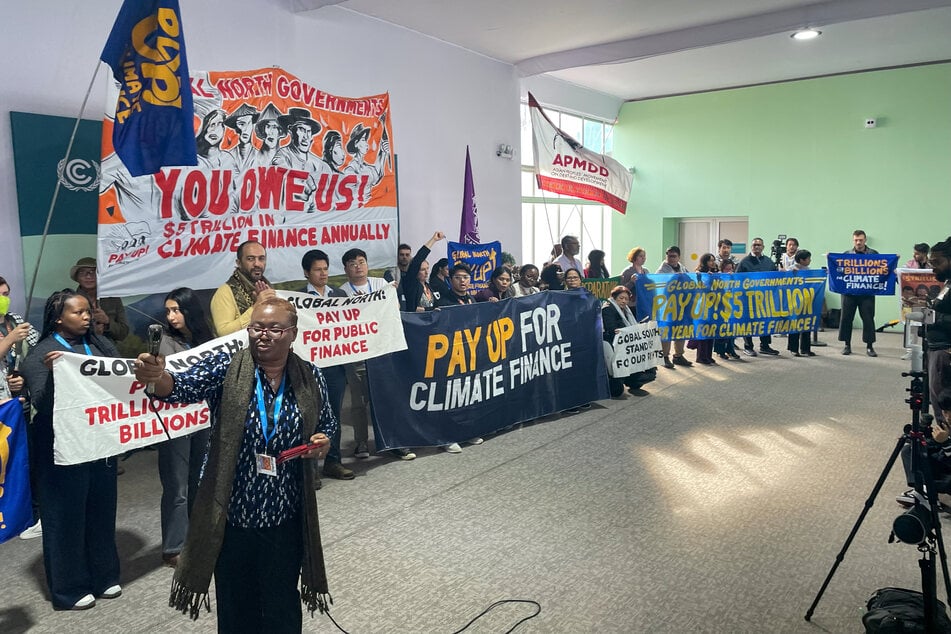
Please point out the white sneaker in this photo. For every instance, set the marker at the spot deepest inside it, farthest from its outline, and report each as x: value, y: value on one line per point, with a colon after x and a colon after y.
x: 85, y: 603
x: 453, y: 448
x: 906, y: 356
x: 476, y: 441
x: 33, y: 532
x: 112, y: 592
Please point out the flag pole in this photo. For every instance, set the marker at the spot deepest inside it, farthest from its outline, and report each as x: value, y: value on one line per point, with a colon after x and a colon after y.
x: 49, y: 215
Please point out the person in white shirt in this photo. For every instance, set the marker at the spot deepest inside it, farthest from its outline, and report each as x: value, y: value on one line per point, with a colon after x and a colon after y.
x: 356, y: 267
x: 570, y: 248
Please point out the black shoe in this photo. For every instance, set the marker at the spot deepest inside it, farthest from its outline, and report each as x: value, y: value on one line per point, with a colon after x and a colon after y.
x: 668, y: 364
x: 871, y: 352
x: 679, y: 359
x: 768, y: 350
x: 337, y: 471
x: 734, y: 356
x: 796, y: 354
x: 749, y: 352
x: 809, y: 354
x: 847, y: 350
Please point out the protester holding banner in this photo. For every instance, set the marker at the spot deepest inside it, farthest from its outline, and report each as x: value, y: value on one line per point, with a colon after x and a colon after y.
x: 864, y: 303
x: 254, y: 524
x: 725, y: 347
x: 356, y: 267
x: 616, y: 315
x: 108, y: 313
x: 800, y: 343
x: 527, y: 281
x: 572, y: 279
x: 232, y: 303
x: 180, y: 459
x: 316, y: 267
x: 671, y: 264
x: 704, y: 347
x: 500, y: 286
x: 636, y: 256
x: 418, y: 294
x: 77, y: 502
x: 753, y: 262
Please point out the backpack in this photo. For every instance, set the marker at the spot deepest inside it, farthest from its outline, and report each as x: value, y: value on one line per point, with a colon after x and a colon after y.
x: 901, y: 611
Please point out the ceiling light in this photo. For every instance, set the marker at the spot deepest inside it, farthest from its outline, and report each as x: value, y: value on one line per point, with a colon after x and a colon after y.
x: 806, y: 34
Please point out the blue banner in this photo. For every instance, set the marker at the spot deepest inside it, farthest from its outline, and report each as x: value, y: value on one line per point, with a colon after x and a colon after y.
x: 481, y: 258
x: 154, y: 124
x: 16, y: 510
x: 723, y: 305
x: 473, y: 370
x: 862, y: 273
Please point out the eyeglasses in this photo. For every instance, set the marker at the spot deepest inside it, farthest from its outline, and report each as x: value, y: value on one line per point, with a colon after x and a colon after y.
x: 461, y: 277
x: 273, y: 333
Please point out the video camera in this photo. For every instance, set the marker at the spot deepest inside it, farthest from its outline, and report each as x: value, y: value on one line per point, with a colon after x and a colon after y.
x: 778, y: 249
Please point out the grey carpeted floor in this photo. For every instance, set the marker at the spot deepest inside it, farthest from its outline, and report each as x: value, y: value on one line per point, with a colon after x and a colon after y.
x: 716, y: 504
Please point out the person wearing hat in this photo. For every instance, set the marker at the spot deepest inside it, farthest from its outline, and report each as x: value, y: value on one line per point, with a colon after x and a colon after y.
x: 358, y: 145
x: 270, y: 132
x: 296, y: 155
x: 242, y: 121
x: 108, y: 313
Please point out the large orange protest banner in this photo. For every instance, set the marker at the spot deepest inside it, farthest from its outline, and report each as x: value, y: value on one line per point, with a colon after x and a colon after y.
x: 279, y: 161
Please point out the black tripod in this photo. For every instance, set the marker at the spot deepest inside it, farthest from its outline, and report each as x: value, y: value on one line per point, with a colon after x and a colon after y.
x: 921, y: 525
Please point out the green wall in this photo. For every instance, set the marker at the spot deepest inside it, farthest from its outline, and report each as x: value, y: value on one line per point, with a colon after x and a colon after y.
x: 796, y: 159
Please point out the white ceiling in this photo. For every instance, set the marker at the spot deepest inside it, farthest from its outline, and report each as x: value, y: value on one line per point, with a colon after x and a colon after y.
x: 637, y: 49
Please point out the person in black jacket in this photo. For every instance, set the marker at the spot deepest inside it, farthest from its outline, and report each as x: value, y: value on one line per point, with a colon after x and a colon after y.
x: 77, y: 502
x: 756, y: 261
x: 416, y: 292
x: 939, y: 333
x: 616, y: 315
x: 864, y: 303
x: 459, y: 277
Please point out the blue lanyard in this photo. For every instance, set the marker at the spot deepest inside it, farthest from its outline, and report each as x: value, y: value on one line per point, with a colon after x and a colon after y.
x: 357, y: 291
x: 60, y: 339
x: 262, y: 409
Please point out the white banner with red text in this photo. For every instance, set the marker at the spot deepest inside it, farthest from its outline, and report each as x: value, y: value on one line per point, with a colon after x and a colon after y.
x: 336, y: 330
x: 100, y: 410
x: 279, y: 162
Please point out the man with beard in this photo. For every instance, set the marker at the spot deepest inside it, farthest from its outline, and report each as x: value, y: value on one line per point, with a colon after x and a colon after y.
x: 865, y: 304
x: 254, y: 525
x: 939, y: 334
x: 232, y: 303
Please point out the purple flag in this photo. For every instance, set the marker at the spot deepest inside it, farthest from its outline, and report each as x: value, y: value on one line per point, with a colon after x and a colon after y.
x: 469, y: 229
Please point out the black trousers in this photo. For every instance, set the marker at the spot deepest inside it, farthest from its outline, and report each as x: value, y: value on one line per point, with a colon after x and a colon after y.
x: 256, y: 579
x: 763, y: 342
x: 800, y: 342
x: 866, y: 307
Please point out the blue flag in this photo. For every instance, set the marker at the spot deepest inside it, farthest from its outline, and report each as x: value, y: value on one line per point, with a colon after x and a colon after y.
x: 16, y: 509
x: 154, y: 122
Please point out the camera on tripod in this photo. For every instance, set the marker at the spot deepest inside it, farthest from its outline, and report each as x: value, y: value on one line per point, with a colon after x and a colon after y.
x: 778, y: 249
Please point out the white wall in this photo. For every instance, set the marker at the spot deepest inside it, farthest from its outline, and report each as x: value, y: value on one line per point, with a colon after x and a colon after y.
x: 442, y: 97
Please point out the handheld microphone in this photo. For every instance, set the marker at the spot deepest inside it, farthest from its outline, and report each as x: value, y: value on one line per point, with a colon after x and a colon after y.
x: 154, y: 339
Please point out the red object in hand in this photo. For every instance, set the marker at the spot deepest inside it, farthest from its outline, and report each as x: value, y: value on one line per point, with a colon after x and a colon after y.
x: 295, y: 452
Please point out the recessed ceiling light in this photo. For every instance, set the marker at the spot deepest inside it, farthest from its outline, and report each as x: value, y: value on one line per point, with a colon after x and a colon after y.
x: 806, y: 34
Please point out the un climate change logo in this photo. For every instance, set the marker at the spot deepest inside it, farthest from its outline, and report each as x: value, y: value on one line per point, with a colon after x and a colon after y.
x: 78, y: 175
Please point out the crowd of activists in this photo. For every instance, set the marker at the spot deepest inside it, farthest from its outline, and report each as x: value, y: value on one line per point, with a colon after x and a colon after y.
x: 263, y: 547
